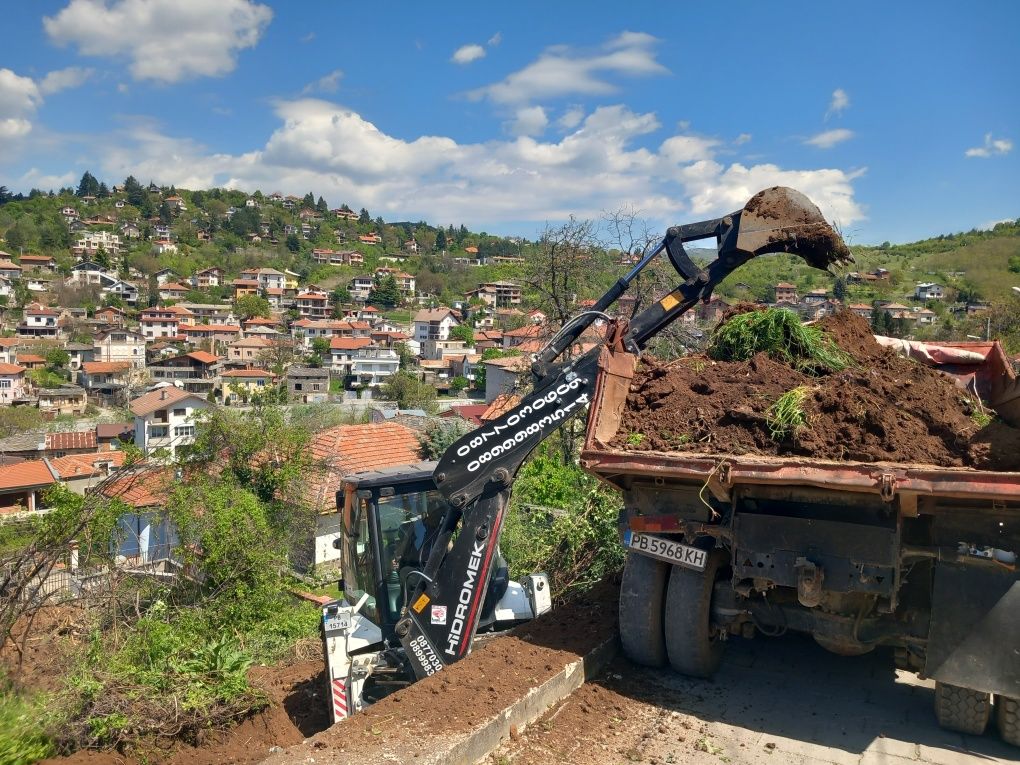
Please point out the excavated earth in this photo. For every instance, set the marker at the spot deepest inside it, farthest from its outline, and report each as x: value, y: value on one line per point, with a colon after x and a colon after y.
x: 884, y: 408
x: 472, y: 691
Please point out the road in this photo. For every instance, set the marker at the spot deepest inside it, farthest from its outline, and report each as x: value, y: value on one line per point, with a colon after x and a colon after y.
x: 774, y: 702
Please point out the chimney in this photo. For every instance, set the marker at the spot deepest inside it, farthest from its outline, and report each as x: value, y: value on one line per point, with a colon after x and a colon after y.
x: 162, y: 394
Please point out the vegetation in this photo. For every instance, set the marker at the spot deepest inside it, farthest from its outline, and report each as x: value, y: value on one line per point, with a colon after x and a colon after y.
x: 409, y: 392
x: 780, y: 334
x: 787, y: 414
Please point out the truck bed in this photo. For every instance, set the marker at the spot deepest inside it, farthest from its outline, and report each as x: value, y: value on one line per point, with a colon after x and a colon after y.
x: 993, y: 379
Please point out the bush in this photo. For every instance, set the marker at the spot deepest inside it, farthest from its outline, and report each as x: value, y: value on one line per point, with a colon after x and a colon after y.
x: 780, y: 334
x: 562, y: 521
x: 23, y: 739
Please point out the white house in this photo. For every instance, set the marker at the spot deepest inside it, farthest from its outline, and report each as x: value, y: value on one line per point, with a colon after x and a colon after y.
x: 120, y: 345
x: 93, y: 241
x: 165, y: 419
x: 929, y: 291
x: 12, y: 382
x: 371, y: 366
x: 361, y: 287
x: 434, y: 324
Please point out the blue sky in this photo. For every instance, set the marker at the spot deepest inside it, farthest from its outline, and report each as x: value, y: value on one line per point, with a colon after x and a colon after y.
x: 901, y: 120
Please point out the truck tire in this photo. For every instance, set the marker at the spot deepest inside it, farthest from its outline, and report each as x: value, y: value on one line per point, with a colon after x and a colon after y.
x: 690, y: 644
x: 642, y: 596
x: 1007, y: 715
x: 961, y: 709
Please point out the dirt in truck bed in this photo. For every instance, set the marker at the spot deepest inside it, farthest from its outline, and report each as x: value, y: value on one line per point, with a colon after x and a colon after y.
x: 885, y: 408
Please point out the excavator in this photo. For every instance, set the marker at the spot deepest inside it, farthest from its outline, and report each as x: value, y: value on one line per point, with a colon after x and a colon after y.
x: 410, y: 616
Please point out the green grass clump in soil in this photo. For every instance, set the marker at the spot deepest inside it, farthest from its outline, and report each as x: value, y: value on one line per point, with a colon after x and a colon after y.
x: 780, y: 334
x: 787, y: 414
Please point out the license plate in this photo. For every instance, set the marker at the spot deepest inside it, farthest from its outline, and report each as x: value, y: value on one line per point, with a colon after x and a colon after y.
x: 336, y: 623
x: 667, y: 550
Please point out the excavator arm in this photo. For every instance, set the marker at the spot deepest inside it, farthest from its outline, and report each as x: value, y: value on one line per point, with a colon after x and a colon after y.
x: 476, y: 473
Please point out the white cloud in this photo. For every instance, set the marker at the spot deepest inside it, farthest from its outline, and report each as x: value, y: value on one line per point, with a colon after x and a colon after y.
x: 38, y: 180
x: 571, y: 118
x: 62, y: 79
x: 829, y: 138
x: 465, y: 54
x: 529, y: 120
x: 495, y: 40
x: 741, y: 139
x: 839, y: 103
x: 328, y: 83
x: 561, y: 71
x: 164, y: 40
x: 990, y: 147
x: 597, y: 166
x: 19, y: 98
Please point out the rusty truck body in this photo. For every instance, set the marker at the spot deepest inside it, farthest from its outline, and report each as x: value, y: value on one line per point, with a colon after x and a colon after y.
x: 916, y: 557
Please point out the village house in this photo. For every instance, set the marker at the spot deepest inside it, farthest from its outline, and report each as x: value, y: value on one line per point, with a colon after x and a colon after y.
x: 785, y: 292
x: 12, y: 383
x: 434, y: 324
x: 105, y: 381
x: 64, y: 400
x: 94, y: 241
x: 929, y: 291
x: 237, y: 386
x: 361, y: 287
x: 208, y: 277
x: 247, y: 351
x: 165, y: 275
x: 313, y: 303
x: 863, y: 310
x: 165, y: 419
x: 23, y: 484
x: 195, y: 371
x: 210, y: 334
x: 163, y: 247
x: 341, y: 354
x: 62, y: 443
x: 173, y: 291
x: 9, y: 270
x: 78, y: 354
x: 41, y: 262
x: 86, y: 272
x: 38, y: 322
x: 243, y: 287
x: 110, y: 315
x: 81, y: 472
x: 338, y: 258
x: 164, y: 322
x: 497, y: 294
x: 120, y: 345
x: 370, y: 239
x: 504, y: 375
x: 308, y: 385
x: 405, y: 281
x: 211, y: 313
x: 306, y: 330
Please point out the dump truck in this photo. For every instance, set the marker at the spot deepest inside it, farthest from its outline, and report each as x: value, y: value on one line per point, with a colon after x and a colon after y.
x: 919, y: 558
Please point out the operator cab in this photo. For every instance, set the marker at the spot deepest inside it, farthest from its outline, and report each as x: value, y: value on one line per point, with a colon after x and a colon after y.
x: 391, y: 517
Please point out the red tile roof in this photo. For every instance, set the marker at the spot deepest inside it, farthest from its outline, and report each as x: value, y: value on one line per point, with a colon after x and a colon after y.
x: 203, y: 356
x: 470, y: 412
x: 500, y: 405
x: 11, y: 369
x: 106, y: 430
x: 105, y: 367
x: 347, y: 449
x: 72, y: 439
x: 159, y: 399
x: 31, y: 358
x: 26, y: 475
x: 232, y: 329
x: 349, y: 343
x: 145, y: 487
x: 78, y: 465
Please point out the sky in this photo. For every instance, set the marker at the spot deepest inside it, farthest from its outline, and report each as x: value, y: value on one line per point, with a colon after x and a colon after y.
x: 900, y: 120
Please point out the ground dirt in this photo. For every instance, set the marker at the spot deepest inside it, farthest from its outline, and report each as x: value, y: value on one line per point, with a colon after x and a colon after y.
x: 885, y: 408
x: 473, y: 690
x: 297, y: 710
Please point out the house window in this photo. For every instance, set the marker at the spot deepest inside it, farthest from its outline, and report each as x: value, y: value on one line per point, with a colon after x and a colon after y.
x: 5, y: 383
x: 315, y: 386
x: 180, y: 412
x: 184, y: 430
x: 297, y: 386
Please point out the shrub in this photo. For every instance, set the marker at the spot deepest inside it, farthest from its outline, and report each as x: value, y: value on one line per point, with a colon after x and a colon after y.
x: 780, y: 334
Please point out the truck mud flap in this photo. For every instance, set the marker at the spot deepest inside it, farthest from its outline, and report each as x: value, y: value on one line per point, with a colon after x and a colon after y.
x: 974, y: 640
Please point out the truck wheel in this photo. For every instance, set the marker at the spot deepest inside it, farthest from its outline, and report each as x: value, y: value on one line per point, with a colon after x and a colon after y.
x: 642, y: 593
x: 692, y: 646
x: 1007, y: 715
x: 962, y: 709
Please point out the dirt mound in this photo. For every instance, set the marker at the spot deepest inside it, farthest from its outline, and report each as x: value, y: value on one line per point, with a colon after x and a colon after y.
x: 883, y: 409
x: 473, y: 690
x: 298, y: 709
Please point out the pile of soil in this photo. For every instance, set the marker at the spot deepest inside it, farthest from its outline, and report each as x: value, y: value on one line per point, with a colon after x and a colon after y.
x: 297, y: 709
x: 472, y: 690
x: 885, y: 408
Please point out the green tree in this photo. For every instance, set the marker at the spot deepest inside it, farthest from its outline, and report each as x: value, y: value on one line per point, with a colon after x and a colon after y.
x: 440, y: 436
x: 458, y: 383
x: 409, y: 392
x: 320, y: 351
x: 134, y: 194
x: 441, y: 240
x: 463, y: 332
x: 57, y: 359
x: 321, y: 206
x: 88, y: 186
x: 250, y: 306
x: 385, y: 292
x: 293, y: 243
x: 839, y: 289
x: 364, y: 218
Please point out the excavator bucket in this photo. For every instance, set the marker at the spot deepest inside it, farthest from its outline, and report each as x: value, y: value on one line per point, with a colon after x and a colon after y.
x: 781, y: 219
